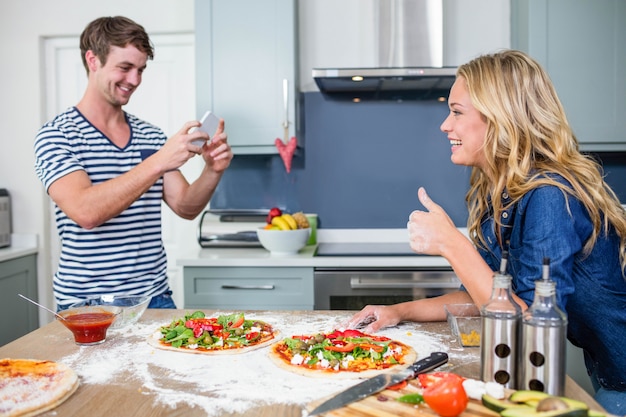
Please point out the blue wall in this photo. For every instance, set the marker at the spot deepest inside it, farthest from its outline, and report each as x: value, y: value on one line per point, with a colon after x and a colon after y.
x: 361, y: 166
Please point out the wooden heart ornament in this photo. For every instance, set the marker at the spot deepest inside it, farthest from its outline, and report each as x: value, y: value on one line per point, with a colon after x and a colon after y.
x: 286, y: 151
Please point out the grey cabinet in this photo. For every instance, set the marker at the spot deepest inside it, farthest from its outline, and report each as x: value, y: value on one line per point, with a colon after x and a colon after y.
x: 19, y: 317
x: 249, y: 288
x: 244, y: 52
x: 581, y: 44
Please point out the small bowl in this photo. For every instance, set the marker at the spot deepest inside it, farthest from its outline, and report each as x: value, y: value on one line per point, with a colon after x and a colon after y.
x: 283, y: 242
x: 465, y: 323
x: 132, y: 307
x: 89, y: 324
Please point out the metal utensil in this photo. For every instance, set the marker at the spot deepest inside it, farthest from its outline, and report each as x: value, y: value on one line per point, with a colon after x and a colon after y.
x: 45, y: 308
x: 380, y: 382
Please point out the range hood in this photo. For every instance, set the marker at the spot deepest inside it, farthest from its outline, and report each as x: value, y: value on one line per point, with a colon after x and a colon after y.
x: 406, y: 38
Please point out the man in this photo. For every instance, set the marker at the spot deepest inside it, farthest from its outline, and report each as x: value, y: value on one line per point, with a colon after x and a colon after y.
x: 107, y: 172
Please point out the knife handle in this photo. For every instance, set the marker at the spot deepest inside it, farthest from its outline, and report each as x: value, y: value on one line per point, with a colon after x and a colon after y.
x: 435, y: 360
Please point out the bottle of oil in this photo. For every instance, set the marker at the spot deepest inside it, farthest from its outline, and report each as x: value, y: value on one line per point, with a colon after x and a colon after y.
x: 501, y: 320
x: 544, y: 330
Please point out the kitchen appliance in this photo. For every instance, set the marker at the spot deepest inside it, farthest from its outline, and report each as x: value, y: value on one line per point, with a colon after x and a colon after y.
x: 380, y: 382
x: 5, y: 218
x: 353, y: 289
x: 230, y: 237
x: 344, y: 288
x: 406, y: 54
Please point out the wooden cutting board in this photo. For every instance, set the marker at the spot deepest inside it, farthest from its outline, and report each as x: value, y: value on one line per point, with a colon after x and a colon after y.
x: 384, y: 404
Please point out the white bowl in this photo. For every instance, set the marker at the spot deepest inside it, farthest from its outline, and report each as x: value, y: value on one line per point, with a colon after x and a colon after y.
x: 132, y: 306
x: 283, y: 242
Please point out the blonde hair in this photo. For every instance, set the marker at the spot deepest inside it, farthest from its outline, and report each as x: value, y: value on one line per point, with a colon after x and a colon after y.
x: 527, y: 137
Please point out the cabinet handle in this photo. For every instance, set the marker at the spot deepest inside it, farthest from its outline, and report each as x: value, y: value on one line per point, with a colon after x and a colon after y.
x: 247, y: 287
x: 364, y: 283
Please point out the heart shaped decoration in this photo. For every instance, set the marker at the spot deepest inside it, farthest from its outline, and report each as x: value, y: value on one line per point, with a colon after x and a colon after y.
x: 286, y: 151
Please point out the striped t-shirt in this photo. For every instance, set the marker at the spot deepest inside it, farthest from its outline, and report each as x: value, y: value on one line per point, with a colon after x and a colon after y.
x: 125, y: 255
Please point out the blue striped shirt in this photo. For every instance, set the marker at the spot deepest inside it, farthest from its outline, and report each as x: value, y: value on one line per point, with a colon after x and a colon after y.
x: 125, y: 255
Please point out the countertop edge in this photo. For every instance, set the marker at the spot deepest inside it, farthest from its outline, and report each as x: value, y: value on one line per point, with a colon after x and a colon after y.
x: 21, y: 245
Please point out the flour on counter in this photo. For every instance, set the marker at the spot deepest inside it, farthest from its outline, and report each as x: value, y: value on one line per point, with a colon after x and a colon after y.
x: 215, y: 383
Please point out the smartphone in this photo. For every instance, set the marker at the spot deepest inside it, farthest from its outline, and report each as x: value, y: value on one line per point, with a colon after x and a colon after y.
x: 210, y: 122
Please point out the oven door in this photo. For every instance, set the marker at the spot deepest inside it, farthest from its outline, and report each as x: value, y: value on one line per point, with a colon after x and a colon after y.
x: 349, y: 289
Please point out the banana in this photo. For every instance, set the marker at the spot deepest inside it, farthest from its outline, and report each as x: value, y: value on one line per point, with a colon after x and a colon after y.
x: 281, y: 223
x: 290, y: 220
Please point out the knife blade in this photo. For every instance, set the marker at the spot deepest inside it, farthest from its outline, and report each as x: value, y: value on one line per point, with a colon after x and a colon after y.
x: 380, y: 382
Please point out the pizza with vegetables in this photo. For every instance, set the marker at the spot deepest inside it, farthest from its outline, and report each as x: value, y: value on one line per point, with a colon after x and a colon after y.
x: 341, y: 354
x: 226, y: 334
x: 30, y: 387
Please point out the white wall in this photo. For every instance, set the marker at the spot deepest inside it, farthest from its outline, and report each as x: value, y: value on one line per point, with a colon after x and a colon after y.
x: 23, y: 25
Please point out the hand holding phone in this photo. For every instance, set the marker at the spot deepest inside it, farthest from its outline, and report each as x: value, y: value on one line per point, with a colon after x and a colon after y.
x: 210, y: 122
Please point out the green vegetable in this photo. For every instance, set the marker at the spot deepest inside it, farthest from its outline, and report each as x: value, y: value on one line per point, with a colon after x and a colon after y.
x: 414, y: 398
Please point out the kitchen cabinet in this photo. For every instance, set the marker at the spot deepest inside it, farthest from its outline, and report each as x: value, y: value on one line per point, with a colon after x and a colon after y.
x: 244, y: 52
x: 18, y: 276
x: 581, y: 44
x: 249, y: 288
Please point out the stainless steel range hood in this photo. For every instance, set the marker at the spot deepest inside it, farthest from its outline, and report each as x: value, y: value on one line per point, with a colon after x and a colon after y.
x: 406, y: 37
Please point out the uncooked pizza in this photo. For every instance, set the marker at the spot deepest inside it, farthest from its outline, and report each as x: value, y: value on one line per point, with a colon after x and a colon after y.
x: 341, y: 354
x: 225, y: 334
x: 29, y: 387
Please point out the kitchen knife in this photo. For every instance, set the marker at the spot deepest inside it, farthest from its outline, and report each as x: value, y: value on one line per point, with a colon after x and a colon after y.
x: 380, y: 382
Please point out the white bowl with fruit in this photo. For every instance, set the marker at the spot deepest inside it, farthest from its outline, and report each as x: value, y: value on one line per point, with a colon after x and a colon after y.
x: 285, y: 233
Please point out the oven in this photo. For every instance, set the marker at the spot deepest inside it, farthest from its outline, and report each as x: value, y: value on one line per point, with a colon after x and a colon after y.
x: 353, y: 289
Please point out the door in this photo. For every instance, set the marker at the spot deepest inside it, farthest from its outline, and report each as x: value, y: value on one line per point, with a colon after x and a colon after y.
x: 166, y: 98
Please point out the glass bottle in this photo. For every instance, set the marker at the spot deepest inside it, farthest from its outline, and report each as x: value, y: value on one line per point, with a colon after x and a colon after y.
x: 544, y: 332
x: 501, y: 319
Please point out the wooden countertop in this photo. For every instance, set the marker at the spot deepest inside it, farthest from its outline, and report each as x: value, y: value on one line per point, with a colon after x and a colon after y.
x: 125, y: 376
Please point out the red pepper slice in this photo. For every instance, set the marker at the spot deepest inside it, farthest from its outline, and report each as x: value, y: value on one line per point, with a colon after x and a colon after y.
x: 341, y: 347
x: 237, y: 322
x: 374, y: 347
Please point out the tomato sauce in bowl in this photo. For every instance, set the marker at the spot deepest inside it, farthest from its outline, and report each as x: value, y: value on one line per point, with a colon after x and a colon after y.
x: 89, y: 324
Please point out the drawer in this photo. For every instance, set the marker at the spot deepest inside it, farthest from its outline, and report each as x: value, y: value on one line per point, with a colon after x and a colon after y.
x: 249, y: 288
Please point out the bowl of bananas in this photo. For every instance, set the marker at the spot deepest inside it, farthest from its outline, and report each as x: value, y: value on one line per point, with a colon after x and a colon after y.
x: 284, y: 233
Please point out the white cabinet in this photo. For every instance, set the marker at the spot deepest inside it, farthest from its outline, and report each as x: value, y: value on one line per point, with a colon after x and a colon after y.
x: 249, y: 288
x: 18, y: 276
x: 581, y: 44
x: 244, y: 51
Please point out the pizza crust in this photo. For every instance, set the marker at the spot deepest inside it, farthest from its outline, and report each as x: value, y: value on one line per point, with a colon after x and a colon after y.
x: 156, y: 342
x: 276, y: 357
x: 30, y: 387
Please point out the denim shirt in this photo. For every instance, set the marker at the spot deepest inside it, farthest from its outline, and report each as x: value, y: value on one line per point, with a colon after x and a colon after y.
x: 590, y: 289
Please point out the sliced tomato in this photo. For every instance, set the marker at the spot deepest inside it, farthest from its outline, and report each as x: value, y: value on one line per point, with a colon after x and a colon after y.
x: 444, y: 393
x: 353, y: 333
x: 341, y: 347
x: 252, y: 336
x: 427, y: 380
x: 399, y: 385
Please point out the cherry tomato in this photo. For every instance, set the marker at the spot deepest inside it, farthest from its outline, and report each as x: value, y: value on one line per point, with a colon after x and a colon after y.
x: 429, y: 379
x: 444, y: 393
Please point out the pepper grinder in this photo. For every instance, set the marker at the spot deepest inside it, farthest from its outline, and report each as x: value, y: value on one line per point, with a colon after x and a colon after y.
x: 544, y: 329
x: 500, y: 321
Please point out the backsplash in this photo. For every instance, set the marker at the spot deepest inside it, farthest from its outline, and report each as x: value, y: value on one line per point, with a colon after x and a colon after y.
x: 361, y: 166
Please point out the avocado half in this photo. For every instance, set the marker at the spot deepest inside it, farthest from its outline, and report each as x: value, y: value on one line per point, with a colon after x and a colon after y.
x: 524, y: 403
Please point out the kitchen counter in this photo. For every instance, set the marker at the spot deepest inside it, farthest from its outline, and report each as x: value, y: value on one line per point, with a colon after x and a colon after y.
x: 21, y: 245
x: 125, y: 376
x: 259, y: 257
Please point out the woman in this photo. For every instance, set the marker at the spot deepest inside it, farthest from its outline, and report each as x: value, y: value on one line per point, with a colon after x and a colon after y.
x: 534, y: 194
